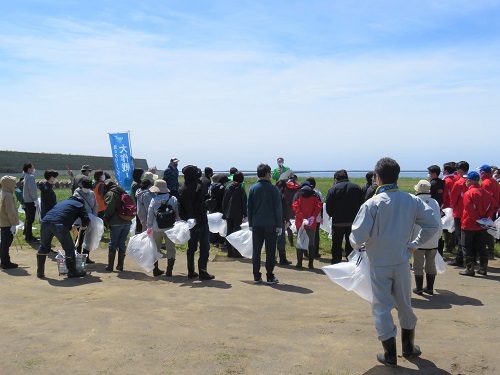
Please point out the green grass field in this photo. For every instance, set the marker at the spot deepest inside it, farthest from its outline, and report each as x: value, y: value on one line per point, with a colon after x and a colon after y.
x: 323, y: 184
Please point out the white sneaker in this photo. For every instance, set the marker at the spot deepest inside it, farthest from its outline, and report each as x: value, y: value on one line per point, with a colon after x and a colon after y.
x: 273, y: 281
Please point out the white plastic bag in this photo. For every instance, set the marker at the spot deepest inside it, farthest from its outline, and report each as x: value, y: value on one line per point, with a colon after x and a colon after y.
x: 133, y: 224
x: 327, y: 221
x: 302, y: 237
x: 242, y: 241
x: 292, y: 227
x: 142, y: 249
x: 353, y: 275
x: 447, y: 220
x: 495, y: 232
x: 93, y: 234
x: 216, y: 224
x: 440, y: 264
x: 180, y: 234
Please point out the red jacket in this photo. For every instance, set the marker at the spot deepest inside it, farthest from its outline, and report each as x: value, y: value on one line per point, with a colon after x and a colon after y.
x: 491, y: 186
x: 449, y: 181
x: 478, y: 204
x: 305, y: 208
x: 457, y: 197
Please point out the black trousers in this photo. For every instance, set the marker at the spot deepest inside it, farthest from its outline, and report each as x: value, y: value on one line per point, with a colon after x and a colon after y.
x: 30, y: 211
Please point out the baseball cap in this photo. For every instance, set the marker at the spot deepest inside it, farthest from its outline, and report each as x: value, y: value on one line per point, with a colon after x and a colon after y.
x: 472, y: 176
x: 174, y: 160
x: 484, y: 168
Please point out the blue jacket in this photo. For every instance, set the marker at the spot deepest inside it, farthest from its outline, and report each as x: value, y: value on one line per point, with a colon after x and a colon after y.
x: 66, y: 213
x: 264, y: 205
x: 171, y: 177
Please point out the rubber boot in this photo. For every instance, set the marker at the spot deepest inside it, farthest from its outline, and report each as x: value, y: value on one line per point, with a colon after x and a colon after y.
x: 71, y: 266
x: 111, y: 260
x: 170, y: 267
x: 483, y: 266
x: 419, y: 282
x: 429, y: 288
x: 389, y: 357
x: 121, y: 258
x: 409, y: 348
x: 40, y: 265
x: 469, y: 268
x: 282, y: 256
x: 88, y: 261
x: 202, y: 268
x: 190, y: 265
x: 300, y: 254
x: 157, y: 271
x: 311, y: 259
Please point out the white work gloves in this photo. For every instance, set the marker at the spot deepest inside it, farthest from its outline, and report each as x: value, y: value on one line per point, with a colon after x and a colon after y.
x: 310, y: 221
x: 279, y: 231
x: 13, y: 229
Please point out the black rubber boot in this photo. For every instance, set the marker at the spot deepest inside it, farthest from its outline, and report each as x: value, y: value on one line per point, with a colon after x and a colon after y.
x: 483, y: 266
x: 409, y: 348
x: 300, y: 254
x: 111, y: 260
x: 121, y: 258
x: 157, y: 271
x: 419, y: 282
x: 311, y: 259
x: 190, y: 264
x: 88, y: 261
x: 282, y: 255
x: 71, y: 266
x: 40, y: 265
x: 170, y: 267
x: 429, y: 288
x: 469, y: 268
x: 202, y: 268
x: 389, y: 357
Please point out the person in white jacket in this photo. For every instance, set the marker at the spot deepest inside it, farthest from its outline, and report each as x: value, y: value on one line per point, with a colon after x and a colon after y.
x: 425, y: 255
x: 384, y: 226
x: 158, y: 223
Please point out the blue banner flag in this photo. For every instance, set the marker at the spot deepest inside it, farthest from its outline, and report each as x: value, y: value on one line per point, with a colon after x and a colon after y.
x: 122, y: 159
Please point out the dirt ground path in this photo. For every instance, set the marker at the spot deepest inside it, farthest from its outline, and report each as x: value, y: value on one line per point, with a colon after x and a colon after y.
x: 133, y: 323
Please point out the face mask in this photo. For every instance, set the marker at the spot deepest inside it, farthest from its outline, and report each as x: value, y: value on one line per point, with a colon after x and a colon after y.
x: 428, y: 175
x: 280, y: 165
x: 86, y: 190
x: 34, y: 170
x: 54, y: 180
x: 103, y: 177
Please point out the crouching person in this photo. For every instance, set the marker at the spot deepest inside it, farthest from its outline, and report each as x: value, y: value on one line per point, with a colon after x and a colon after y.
x: 58, y: 222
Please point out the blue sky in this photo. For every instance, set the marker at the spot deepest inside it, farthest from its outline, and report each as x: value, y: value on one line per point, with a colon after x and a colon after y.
x: 325, y: 84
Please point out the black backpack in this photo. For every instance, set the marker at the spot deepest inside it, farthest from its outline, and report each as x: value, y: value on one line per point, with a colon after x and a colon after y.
x: 165, y: 215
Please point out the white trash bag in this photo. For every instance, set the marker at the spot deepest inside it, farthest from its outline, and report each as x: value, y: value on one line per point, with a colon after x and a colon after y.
x: 93, y: 234
x: 133, y: 225
x: 242, y: 241
x: 326, y: 225
x: 292, y: 226
x: 180, y: 234
x: 216, y: 224
x: 302, y: 237
x: 447, y: 220
x: 353, y: 275
x: 142, y: 249
x: 495, y: 232
x: 440, y: 264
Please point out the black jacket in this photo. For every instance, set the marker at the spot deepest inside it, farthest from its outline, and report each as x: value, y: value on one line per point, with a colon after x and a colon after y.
x: 48, y: 198
x: 192, y: 202
x: 234, y: 204
x: 343, y: 202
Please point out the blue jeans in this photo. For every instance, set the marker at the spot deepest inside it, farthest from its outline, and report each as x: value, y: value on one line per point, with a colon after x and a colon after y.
x: 261, y: 235
x: 48, y: 231
x: 201, y: 234
x: 117, y: 237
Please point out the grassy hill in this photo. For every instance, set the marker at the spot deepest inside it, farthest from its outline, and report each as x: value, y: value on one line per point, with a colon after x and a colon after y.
x: 12, y: 161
